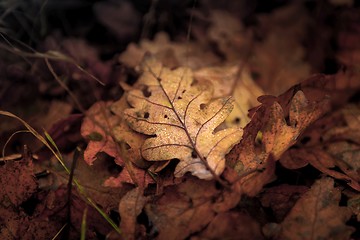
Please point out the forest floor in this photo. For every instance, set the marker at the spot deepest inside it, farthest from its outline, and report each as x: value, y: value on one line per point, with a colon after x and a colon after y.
x: 165, y: 119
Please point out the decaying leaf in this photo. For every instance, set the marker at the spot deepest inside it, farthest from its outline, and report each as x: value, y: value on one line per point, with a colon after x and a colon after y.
x: 181, y: 115
x: 317, y: 215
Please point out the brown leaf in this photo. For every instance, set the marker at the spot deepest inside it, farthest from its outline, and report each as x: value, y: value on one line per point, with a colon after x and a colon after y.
x: 277, y: 134
x: 183, y: 209
x: 354, y: 205
x: 317, y: 215
x: 18, y: 181
x: 130, y: 207
x: 330, y: 147
x: 181, y: 115
x: 96, y: 128
x: 281, y: 199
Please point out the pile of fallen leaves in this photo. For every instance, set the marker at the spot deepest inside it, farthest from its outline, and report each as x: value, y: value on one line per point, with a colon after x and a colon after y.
x: 230, y: 134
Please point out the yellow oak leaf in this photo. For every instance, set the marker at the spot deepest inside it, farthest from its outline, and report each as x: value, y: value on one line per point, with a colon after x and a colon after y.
x: 233, y: 80
x: 181, y: 115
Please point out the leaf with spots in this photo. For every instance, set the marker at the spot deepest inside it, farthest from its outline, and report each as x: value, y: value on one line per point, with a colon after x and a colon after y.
x: 182, y: 118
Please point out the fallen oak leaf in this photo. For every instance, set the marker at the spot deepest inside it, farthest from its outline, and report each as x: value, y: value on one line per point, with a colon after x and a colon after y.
x: 181, y: 115
x: 278, y: 136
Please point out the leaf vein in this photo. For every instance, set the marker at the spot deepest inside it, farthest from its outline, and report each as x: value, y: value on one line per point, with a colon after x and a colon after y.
x: 202, y: 125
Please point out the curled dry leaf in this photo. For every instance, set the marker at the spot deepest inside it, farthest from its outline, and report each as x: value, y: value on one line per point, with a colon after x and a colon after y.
x: 329, y: 149
x: 180, y: 114
x: 277, y: 134
x: 317, y: 215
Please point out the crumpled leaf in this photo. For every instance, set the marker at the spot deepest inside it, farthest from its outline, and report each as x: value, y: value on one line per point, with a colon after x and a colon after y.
x: 179, y: 112
x: 332, y: 146
x: 277, y: 134
x: 317, y: 215
x: 234, y: 80
x: 268, y: 123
